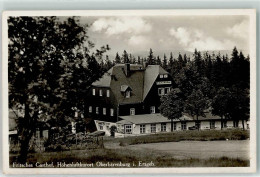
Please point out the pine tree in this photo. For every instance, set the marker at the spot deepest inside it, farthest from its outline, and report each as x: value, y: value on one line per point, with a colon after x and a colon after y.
x: 125, y: 58
x: 108, y: 63
x: 139, y: 60
x: 185, y: 59
x: 164, y: 62
x: 117, y: 59
x: 151, y: 58
x: 171, y: 60
x: 158, y: 60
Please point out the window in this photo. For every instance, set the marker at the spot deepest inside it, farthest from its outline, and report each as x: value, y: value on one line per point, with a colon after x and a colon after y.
x: 153, y: 128
x: 152, y: 109
x: 165, y: 75
x: 100, y: 92
x: 142, y: 129
x: 174, y: 125
x: 160, y: 91
x: 132, y: 111
x: 97, y: 110
x: 76, y: 114
x: 161, y: 76
x: 104, y: 111
x: 108, y: 93
x: 93, y: 91
x: 212, y: 124
x: 128, y: 129
x: 183, y: 125
x: 90, y: 109
x: 127, y: 94
x: 167, y: 90
x: 111, y: 112
x: 163, y: 127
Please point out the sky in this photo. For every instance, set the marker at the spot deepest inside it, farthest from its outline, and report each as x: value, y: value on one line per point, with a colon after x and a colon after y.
x: 137, y: 34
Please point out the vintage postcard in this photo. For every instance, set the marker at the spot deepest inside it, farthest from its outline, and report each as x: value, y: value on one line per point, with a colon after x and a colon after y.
x: 129, y: 91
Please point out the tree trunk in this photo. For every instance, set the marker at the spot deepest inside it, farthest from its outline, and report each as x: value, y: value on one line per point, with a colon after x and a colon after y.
x: 221, y: 122
x: 198, y: 122
x: 243, y: 124
x: 171, y: 125
x: 24, y: 149
x: 27, y: 127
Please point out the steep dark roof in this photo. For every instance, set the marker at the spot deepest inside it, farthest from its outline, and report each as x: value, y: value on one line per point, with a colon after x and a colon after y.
x: 105, y: 80
x: 134, y: 81
x: 140, y: 81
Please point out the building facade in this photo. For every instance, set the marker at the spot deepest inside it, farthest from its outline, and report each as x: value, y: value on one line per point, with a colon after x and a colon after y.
x: 156, y: 123
x: 127, y: 89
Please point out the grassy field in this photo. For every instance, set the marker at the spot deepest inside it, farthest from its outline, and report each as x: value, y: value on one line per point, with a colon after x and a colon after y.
x: 212, y: 135
x: 129, y: 156
x: 117, y: 150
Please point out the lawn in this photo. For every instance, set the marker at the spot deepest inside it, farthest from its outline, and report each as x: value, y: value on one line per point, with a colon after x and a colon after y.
x: 117, y: 150
x: 206, y: 135
x: 131, y: 157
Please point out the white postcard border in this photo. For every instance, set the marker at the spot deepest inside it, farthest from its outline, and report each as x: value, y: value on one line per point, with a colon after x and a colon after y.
x: 168, y: 170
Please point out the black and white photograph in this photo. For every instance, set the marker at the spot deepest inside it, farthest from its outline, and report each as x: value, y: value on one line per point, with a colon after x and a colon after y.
x: 129, y: 91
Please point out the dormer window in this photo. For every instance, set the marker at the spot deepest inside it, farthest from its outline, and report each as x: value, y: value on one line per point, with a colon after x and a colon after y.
x: 165, y: 75
x: 127, y: 94
x: 93, y: 91
x: 161, y: 76
x: 100, y: 92
x: 126, y: 90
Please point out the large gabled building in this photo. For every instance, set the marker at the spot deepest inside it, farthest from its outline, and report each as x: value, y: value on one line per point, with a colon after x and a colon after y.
x: 127, y: 89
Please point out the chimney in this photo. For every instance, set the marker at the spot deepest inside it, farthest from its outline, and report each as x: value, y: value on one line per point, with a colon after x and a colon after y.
x: 127, y: 69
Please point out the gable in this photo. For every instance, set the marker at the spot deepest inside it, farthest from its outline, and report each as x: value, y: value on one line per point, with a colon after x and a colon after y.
x: 150, y: 76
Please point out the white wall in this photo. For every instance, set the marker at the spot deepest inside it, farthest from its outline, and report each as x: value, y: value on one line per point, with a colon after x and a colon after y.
x: 106, y: 126
x: 205, y: 125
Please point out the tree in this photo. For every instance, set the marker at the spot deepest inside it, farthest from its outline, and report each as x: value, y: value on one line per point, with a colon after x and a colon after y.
x: 139, y: 60
x: 170, y: 60
x: 124, y: 57
x: 151, y: 58
x: 158, y: 60
x: 222, y: 104
x: 164, y: 65
x: 172, y: 105
x: 240, y: 105
x: 185, y: 59
x: 117, y: 59
x: 46, y: 59
x: 198, y: 62
x: 108, y: 63
x: 196, y: 104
